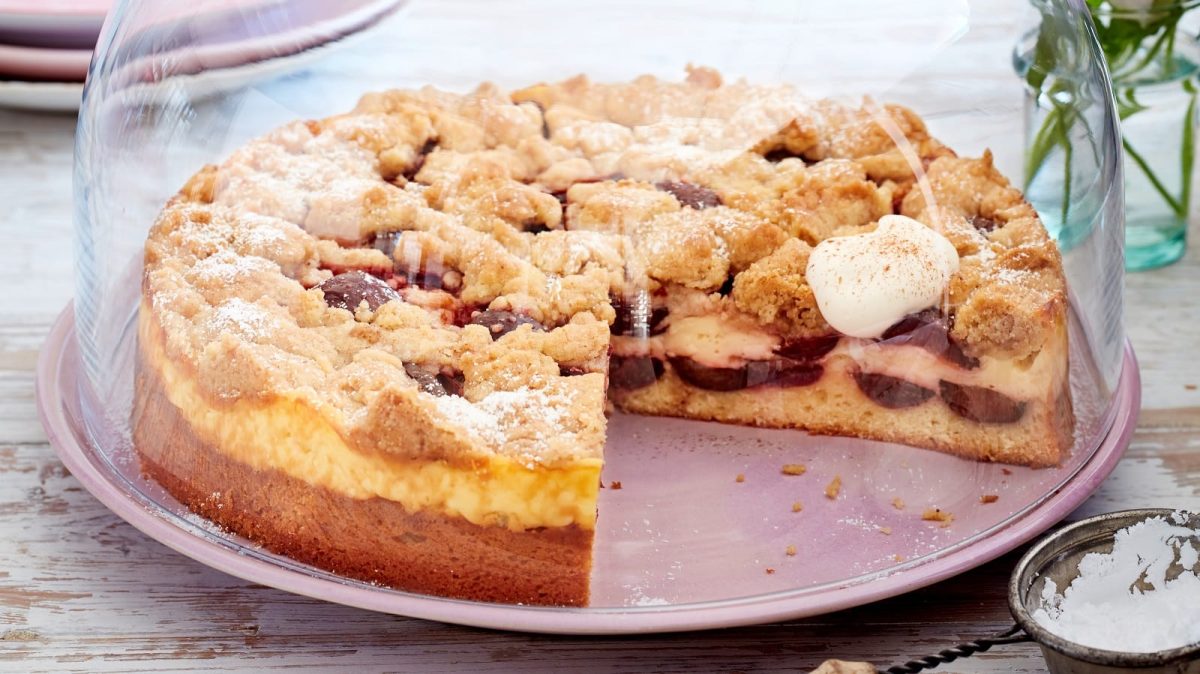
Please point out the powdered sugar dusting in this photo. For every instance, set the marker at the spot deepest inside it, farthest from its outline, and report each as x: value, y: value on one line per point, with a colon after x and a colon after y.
x: 227, y: 267
x: 470, y: 417
x: 264, y: 235
x: 531, y: 414
x: 1007, y: 275
x: 239, y: 317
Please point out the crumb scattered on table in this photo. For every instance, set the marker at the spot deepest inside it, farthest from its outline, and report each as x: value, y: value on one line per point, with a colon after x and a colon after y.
x: 898, y: 503
x: 741, y: 477
x: 1006, y: 471
x: 1190, y: 387
x: 833, y: 488
x: 886, y: 531
x: 989, y: 498
x: 791, y: 551
x: 897, y: 558
x: 770, y: 571
x: 938, y: 515
x: 615, y: 484
x: 794, y: 469
x: 797, y: 507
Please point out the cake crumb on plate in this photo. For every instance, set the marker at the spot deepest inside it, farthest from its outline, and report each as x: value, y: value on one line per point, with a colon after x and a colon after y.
x: 938, y: 515
x: 833, y: 488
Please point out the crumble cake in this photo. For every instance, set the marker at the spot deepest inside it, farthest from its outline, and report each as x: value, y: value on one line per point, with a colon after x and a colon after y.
x: 382, y: 343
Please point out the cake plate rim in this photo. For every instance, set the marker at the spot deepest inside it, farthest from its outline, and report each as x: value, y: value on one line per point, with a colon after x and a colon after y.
x: 56, y: 379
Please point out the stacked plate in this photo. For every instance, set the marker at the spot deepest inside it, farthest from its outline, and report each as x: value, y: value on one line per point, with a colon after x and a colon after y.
x: 45, y: 49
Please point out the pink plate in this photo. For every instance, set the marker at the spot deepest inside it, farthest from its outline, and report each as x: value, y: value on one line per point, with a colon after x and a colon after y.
x: 682, y: 545
x: 62, y: 24
x: 56, y: 7
x: 37, y: 63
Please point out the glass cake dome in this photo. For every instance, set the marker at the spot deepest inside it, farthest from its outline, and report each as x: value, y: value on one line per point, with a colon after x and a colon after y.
x: 348, y: 311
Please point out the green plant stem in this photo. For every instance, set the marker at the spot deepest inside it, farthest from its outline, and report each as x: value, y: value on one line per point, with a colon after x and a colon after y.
x: 1158, y: 186
x: 1042, y: 144
x: 1146, y: 60
x: 1188, y: 151
x: 1067, y: 160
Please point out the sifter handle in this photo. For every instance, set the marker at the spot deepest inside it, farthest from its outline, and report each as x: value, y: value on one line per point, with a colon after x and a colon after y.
x: 1013, y: 635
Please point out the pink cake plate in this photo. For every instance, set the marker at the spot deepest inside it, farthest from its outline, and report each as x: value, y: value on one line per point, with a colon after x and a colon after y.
x: 683, y: 545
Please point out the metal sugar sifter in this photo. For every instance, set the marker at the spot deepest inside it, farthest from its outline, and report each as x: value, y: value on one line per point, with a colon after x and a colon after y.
x: 1057, y: 558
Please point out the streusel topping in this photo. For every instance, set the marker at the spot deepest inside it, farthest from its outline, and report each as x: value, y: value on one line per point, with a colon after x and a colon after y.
x: 439, y: 272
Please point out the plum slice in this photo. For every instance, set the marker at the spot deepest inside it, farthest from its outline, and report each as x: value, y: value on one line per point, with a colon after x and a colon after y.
x: 633, y: 372
x: 983, y: 224
x: 709, y: 378
x: 690, y: 194
x: 808, y: 348
x: 981, y: 404
x: 929, y: 330
x: 350, y: 289
x: 500, y: 323
x: 777, y: 372
x: 435, y: 382
x: 891, y: 392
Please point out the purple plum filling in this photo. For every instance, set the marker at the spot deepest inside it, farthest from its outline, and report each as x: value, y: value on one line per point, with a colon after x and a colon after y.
x: 891, y: 392
x: 929, y: 330
x: 980, y: 404
x: 776, y: 372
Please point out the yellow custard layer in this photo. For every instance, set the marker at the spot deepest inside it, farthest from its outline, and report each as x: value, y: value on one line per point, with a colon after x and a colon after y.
x: 288, y: 435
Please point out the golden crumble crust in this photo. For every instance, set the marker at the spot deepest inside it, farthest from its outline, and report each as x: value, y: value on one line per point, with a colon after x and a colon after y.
x: 1009, y: 295
x: 774, y: 290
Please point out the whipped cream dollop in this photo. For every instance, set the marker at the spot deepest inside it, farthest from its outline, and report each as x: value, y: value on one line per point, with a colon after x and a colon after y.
x: 865, y: 283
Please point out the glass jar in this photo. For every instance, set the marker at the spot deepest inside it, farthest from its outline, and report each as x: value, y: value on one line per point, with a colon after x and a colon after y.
x: 1154, y: 65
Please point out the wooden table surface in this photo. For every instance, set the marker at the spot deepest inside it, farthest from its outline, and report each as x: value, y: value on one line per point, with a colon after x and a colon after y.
x: 81, y: 590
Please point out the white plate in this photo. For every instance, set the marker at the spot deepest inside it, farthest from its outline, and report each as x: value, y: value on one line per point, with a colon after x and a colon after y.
x: 48, y: 96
